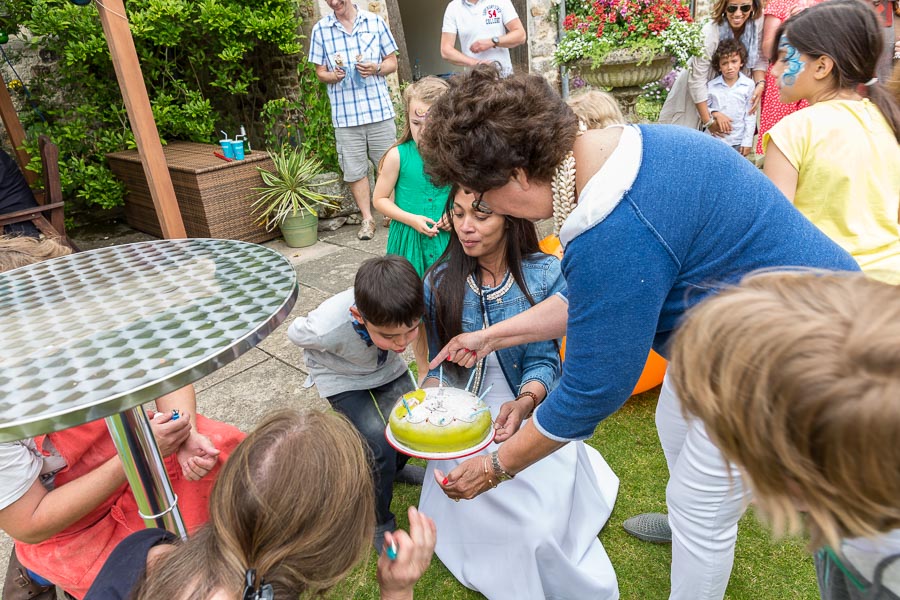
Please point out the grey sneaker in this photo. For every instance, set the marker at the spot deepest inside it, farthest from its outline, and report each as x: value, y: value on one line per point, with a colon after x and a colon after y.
x: 366, y: 230
x: 411, y: 474
x: 649, y: 527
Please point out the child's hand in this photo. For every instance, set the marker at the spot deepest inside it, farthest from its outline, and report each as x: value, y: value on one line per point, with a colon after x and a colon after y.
x: 444, y: 223
x: 745, y: 150
x: 425, y: 225
x: 396, y: 578
x: 169, y: 434
x: 722, y: 126
x: 197, y: 456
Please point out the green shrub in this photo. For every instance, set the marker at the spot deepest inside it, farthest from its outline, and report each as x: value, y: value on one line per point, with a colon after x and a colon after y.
x: 203, y: 62
x: 304, y: 123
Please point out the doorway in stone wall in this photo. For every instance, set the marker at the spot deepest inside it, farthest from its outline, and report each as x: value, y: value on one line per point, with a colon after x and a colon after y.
x: 422, y: 21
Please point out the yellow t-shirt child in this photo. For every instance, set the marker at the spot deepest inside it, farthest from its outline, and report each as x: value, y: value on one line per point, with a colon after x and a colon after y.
x: 849, y: 178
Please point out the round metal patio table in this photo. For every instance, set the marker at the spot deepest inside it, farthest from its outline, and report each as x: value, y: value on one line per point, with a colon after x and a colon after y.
x: 96, y: 334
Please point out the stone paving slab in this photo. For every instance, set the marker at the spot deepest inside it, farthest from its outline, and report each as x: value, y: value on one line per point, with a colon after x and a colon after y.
x: 243, y: 399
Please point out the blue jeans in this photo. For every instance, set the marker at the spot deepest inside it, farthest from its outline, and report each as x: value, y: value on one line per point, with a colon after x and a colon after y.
x: 370, y: 418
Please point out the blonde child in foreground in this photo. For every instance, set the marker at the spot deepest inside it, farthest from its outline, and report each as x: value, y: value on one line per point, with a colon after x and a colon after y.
x: 291, y: 514
x: 796, y: 377
x: 596, y: 109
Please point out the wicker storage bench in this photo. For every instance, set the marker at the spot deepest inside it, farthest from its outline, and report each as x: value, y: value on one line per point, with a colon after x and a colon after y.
x: 214, y: 196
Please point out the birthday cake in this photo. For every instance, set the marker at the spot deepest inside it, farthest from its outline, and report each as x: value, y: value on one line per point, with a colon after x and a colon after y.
x: 440, y: 420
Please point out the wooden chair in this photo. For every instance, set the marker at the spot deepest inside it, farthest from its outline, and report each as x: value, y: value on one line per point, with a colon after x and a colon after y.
x: 48, y: 216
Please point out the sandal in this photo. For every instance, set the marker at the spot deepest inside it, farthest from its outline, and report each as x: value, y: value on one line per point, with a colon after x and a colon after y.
x: 20, y: 586
x: 366, y: 230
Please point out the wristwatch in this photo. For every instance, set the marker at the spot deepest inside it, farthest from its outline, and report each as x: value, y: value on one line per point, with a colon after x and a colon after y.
x: 708, y: 123
x: 496, y: 41
x: 378, y: 69
x: 499, y: 472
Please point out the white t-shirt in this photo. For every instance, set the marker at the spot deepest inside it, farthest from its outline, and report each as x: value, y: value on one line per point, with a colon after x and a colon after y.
x: 20, y: 464
x: 481, y: 20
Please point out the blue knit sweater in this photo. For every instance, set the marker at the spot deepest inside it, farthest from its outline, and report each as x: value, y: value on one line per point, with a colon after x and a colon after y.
x: 657, y: 230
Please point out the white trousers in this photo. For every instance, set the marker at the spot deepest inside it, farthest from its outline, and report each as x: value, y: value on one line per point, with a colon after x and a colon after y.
x: 705, y: 496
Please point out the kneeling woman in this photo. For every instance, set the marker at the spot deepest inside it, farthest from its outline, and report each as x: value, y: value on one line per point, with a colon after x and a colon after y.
x: 542, y: 526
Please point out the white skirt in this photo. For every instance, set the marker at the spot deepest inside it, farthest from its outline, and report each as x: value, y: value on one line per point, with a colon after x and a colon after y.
x: 534, y: 536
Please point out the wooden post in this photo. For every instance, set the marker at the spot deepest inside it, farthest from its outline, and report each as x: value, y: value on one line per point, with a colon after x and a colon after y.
x: 137, y: 104
x: 15, y: 131
x: 404, y: 68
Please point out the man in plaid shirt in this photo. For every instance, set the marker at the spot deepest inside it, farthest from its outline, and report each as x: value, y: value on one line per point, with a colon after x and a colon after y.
x: 353, y: 51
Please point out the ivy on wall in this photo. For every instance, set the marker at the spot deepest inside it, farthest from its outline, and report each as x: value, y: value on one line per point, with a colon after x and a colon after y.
x: 303, y: 122
x: 206, y: 64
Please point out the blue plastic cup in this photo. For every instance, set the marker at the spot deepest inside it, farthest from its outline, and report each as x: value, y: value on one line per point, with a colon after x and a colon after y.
x: 228, y: 148
x: 237, y: 147
x: 355, y: 77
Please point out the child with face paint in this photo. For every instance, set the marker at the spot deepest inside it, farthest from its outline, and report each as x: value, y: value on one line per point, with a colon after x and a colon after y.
x: 837, y: 159
x: 772, y: 109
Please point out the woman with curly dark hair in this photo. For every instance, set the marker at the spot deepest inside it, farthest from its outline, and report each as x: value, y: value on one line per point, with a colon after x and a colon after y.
x: 650, y: 226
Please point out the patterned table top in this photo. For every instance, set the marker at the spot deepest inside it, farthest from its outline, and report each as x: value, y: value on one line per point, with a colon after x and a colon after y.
x: 92, y: 334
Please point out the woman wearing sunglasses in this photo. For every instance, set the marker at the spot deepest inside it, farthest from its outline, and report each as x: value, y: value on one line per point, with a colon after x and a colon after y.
x: 687, y: 104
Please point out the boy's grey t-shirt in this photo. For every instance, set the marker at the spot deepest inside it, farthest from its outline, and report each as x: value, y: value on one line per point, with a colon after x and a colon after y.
x: 337, y: 358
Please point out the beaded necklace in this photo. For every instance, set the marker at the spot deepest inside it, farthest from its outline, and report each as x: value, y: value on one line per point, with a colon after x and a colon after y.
x: 563, y: 187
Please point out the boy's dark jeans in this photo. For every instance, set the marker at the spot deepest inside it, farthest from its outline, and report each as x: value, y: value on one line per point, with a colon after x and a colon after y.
x: 358, y: 406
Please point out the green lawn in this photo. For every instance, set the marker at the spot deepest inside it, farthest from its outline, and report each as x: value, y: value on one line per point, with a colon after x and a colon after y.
x: 763, y: 569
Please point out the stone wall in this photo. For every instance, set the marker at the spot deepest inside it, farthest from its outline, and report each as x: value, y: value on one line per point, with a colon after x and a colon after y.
x: 542, y: 32
x: 27, y: 62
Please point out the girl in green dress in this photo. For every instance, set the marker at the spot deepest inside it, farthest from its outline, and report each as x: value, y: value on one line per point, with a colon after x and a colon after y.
x: 404, y: 192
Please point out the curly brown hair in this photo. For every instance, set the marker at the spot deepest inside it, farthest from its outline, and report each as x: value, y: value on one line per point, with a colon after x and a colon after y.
x: 485, y: 127
x: 725, y: 48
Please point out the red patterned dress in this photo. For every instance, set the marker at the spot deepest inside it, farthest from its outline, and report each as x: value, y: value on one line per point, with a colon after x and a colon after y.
x: 772, y: 109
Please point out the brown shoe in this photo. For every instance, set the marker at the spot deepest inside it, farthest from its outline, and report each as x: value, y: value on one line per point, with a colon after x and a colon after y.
x: 366, y: 230
x: 19, y: 586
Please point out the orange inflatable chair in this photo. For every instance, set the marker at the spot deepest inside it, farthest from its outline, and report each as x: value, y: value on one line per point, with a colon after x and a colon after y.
x: 654, y: 368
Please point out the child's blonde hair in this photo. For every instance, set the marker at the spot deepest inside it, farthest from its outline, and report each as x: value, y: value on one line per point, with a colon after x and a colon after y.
x: 596, y: 109
x: 426, y: 90
x: 20, y: 251
x: 294, y: 501
x: 797, y: 379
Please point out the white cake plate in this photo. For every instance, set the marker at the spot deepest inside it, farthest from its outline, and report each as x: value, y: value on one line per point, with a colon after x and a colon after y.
x: 399, y: 447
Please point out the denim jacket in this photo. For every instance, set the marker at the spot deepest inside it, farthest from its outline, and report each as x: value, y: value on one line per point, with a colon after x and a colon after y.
x: 537, y: 361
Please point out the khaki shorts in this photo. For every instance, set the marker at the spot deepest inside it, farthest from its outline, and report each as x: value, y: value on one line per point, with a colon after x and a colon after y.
x: 357, y: 145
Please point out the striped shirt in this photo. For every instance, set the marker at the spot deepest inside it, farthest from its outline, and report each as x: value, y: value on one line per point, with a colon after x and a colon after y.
x: 355, y: 100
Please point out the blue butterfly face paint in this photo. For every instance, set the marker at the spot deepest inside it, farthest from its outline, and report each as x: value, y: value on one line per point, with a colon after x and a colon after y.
x: 793, y: 65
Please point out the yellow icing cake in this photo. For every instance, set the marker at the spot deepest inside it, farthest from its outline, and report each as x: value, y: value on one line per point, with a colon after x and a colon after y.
x: 440, y: 420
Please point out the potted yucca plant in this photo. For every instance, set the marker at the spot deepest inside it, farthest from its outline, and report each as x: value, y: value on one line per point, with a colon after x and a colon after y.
x: 290, y: 197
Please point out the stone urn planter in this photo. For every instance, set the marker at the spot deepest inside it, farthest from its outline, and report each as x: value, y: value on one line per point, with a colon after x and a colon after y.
x: 625, y: 71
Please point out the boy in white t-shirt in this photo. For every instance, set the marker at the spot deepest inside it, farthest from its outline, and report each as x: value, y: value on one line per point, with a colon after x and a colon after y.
x: 487, y: 29
x: 730, y: 96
